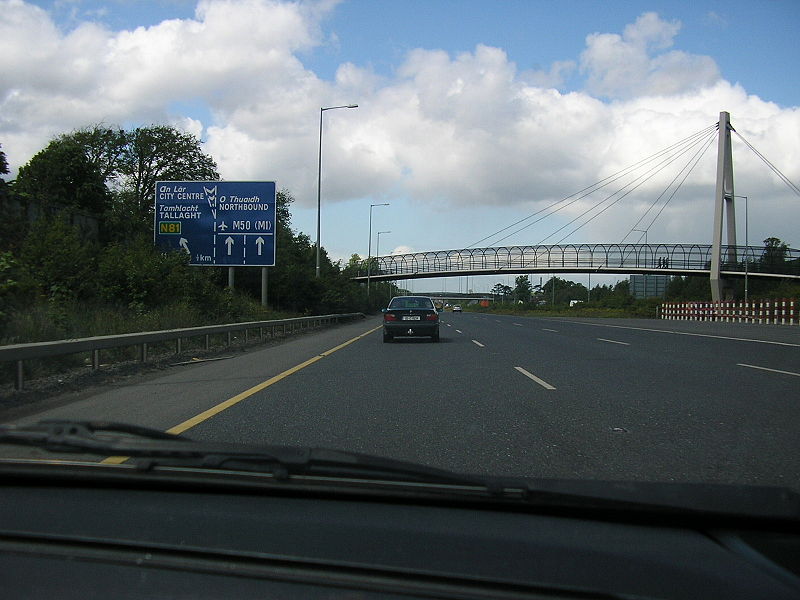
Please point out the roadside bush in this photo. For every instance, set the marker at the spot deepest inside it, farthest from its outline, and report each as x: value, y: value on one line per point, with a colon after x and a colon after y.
x: 13, y: 285
x: 140, y: 277
x: 58, y: 262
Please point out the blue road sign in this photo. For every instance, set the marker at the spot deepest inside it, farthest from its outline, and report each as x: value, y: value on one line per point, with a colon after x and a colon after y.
x: 228, y: 223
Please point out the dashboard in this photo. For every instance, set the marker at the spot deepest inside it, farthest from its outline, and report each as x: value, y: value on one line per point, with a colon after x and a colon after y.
x: 79, y: 538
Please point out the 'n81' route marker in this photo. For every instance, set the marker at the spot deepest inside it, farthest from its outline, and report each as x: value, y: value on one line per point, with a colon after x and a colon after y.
x: 218, y: 223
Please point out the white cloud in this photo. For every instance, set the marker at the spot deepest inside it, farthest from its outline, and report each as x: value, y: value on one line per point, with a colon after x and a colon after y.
x: 467, y: 131
x: 629, y: 65
x: 554, y: 77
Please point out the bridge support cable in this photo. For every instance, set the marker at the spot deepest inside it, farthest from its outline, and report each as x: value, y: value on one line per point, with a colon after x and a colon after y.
x: 689, y: 140
x: 772, y: 167
x: 635, y: 183
x: 687, y: 169
x: 693, y: 159
x: 671, y: 153
x: 676, y: 152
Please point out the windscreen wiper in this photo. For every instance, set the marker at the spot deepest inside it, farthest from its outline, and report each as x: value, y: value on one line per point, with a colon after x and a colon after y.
x: 150, y: 448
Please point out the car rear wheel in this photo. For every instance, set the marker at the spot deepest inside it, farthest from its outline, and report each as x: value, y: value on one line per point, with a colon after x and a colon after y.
x: 387, y: 338
x: 435, y: 337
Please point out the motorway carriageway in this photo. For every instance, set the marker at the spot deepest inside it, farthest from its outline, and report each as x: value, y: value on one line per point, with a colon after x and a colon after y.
x: 540, y: 397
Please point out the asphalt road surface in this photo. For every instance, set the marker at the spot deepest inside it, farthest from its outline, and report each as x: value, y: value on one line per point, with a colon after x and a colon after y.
x: 540, y: 397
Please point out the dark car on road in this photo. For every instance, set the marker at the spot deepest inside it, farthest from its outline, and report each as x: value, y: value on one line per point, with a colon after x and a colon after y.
x: 410, y: 316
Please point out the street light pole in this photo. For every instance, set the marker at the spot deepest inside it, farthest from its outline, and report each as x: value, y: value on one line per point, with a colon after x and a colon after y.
x: 319, y: 172
x: 369, y: 247
x: 644, y: 231
x: 378, y: 243
x: 747, y: 249
x: 589, y: 289
x: 747, y: 244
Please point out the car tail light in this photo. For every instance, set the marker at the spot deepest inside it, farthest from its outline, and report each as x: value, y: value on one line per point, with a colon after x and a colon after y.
x: 390, y: 317
x: 432, y: 317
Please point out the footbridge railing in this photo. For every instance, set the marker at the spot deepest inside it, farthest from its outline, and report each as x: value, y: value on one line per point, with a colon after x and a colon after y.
x: 667, y: 259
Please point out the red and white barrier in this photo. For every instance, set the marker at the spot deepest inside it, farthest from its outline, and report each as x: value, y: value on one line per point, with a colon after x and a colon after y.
x: 770, y: 312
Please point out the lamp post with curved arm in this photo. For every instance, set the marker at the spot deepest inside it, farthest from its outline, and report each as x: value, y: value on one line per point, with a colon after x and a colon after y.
x: 369, y: 247
x: 378, y: 244
x: 319, y: 172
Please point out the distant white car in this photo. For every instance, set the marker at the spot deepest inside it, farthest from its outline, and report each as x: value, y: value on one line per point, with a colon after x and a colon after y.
x: 457, y: 308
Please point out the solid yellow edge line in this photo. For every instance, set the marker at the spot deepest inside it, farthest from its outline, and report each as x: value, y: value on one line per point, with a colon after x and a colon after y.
x: 215, y: 410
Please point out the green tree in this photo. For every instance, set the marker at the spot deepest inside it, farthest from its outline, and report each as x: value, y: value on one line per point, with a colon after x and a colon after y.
x: 689, y: 288
x: 3, y: 164
x: 59, y: 261
x: 565, y: 290
x: 61, y: 176
x: 130, y: 163
x: 13, y: 225
x: 104, y: 147
x: 161, y: 153
x: 502, y: 291
x: 522, y: 289
x: 12, y: 284
x: 773, y: 258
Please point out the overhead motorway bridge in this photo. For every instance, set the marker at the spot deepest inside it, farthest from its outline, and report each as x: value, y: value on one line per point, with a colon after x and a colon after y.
x: 663, y: 259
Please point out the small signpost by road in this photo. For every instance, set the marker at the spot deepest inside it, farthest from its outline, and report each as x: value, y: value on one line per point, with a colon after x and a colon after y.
x: 218, y: 223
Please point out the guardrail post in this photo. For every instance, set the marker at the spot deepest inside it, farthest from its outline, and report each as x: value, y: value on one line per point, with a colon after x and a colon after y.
x: 143, y: 352
x: 178, y: 346
x: 229, y: 338
x: 208, y: 341
x: 95, y: 360
x: 20, y: 378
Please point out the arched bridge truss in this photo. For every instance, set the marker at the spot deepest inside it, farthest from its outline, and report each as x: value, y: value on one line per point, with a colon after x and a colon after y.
x: 664, y: 259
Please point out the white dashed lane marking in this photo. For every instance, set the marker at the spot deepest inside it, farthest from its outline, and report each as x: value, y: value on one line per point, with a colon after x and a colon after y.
x: 613, y: 341
x: 768, y: 369
x: 530, y: 375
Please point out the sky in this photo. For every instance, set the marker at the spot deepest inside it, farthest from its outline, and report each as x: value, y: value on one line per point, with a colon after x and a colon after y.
x: 471, y: 115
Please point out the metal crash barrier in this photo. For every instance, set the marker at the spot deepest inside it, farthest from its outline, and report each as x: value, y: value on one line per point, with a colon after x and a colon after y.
x: 21, y: 352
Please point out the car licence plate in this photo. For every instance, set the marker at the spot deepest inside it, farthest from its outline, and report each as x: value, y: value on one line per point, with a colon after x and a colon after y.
x: 411, y: 318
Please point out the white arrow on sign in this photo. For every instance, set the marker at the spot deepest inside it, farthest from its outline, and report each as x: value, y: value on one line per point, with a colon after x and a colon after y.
x: 184, y: 243
x: 229, y: 242
x: 260, y: 244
